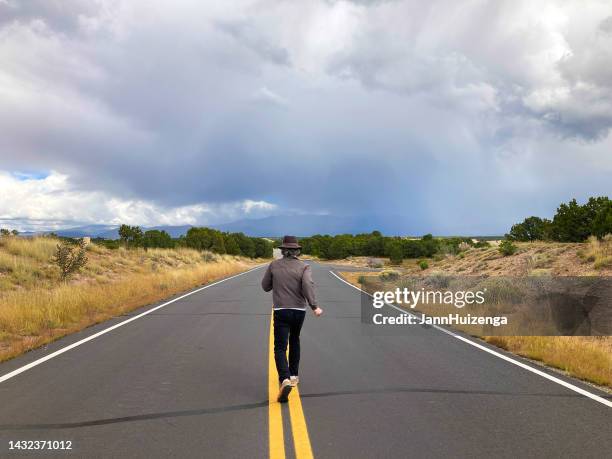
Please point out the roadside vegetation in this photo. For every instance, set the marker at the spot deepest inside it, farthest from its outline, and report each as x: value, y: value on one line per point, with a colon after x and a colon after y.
x: 374, y: 244
x: 585, y: 357
x: 571, y: 223
x: 576, y: 242
x: 199, y: 238
x: 50, y: 287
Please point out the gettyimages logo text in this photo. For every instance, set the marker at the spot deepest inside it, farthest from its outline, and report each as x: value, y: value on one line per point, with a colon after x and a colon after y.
x: 412, y: 298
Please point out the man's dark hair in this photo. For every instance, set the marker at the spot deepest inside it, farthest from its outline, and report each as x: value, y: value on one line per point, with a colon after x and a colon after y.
x: 290, y: 252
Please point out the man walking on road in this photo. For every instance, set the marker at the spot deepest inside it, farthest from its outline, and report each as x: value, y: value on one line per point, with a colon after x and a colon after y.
x: 290, y: 280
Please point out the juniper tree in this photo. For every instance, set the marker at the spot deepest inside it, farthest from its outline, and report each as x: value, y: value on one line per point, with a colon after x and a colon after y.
x: 69, y: 258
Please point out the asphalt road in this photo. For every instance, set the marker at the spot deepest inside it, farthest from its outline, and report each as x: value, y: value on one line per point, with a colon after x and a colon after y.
x: 191, y: 379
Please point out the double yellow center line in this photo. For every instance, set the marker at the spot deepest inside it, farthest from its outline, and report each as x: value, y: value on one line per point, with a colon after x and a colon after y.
x: 301, y: 441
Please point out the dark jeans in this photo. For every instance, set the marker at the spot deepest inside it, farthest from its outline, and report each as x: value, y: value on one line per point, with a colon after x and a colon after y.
x: 287, y: 326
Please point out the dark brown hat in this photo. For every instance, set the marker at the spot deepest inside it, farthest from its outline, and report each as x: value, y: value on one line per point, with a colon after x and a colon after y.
x: 290, y: 242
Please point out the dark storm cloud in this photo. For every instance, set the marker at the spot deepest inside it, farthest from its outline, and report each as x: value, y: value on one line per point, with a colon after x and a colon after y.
x: 447, y: 114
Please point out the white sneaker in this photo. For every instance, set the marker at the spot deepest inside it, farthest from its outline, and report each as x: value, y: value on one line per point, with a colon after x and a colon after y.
x: 295, y: 380
x: 283, y: 393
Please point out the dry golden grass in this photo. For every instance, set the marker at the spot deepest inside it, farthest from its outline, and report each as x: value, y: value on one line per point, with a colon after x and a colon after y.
x: 599, y: 252
x: 35, y: 308
x: 39, y: 248
x: 584, y: 357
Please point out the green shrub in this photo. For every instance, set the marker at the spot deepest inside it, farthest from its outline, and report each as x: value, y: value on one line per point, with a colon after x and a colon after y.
x: 531, y: 229
x: 361, y: 280
x: 369, y: 245
x: 70, y: 259
x: 396, y: 254
x: 231, y: 245
x: 130, y: 236
x: 423, y: 264
x: 572, y: 222
x: 156, y: 238
x: 507, y: 248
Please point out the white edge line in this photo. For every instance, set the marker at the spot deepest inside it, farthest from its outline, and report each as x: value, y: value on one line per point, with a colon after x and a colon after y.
x: 37, y: 362
x: 570, y: 386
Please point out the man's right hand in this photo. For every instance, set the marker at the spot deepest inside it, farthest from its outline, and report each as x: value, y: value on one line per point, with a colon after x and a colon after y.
x: 318, y: 312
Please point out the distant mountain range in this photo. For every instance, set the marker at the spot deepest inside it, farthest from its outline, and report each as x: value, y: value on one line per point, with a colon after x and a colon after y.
x: 107, y: 231
x: 279, y: 225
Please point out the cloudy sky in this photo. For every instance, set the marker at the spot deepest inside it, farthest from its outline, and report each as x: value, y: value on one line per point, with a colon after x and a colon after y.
x: 458, y: 116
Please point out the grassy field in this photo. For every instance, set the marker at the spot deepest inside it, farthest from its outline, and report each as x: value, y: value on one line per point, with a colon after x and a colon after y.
x: 36, y: 307
x: 587, y: 358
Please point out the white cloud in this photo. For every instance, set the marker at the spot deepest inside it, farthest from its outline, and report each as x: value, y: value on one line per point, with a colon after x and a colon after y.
x: 249, y: 206
x: 50, y: 201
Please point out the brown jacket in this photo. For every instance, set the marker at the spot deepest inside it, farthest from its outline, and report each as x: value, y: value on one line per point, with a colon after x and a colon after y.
x: 291, y: 283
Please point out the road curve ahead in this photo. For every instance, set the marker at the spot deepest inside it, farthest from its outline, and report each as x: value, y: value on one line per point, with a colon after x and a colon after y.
x: 193, y: 379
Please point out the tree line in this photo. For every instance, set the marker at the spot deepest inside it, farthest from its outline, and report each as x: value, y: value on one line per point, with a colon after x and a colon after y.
x: 199, y: 238
x: 571, y: 223
x: 374, y: 244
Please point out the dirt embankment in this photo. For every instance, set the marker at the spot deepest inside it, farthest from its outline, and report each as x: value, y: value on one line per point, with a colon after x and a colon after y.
x: 532, y: 258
